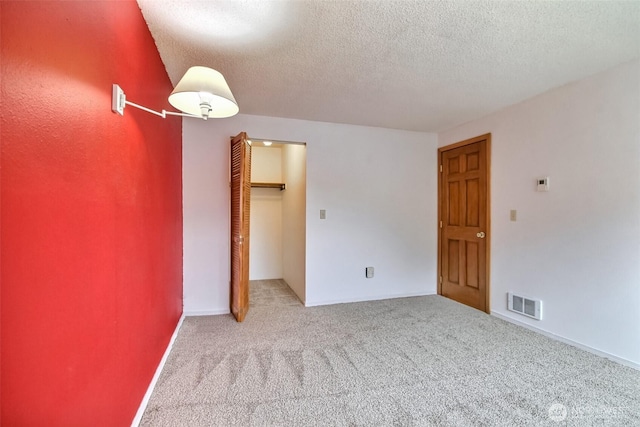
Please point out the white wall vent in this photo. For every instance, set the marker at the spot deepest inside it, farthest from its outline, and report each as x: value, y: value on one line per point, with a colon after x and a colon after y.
x: 525, y: 306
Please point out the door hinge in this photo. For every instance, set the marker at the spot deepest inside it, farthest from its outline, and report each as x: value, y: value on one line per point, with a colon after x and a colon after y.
x: 440, y: 168
x: 441, y: 280
x: 440, y: 224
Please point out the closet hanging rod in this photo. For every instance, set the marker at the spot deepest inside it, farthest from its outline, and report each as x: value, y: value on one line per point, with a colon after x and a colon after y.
x: 279, y: 185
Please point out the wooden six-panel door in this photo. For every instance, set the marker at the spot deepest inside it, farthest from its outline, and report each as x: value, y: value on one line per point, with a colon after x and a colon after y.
x: 240, y: 209
x: 464, y: 222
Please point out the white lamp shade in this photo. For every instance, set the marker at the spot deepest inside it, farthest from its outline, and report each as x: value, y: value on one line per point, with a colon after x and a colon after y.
x: 204, y: 84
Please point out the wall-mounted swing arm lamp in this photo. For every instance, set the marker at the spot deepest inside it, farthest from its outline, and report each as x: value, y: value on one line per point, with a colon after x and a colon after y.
x: 201, y: 93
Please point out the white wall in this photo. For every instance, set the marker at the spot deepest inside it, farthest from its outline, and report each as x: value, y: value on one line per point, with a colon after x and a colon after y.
x: 265, y: 242
x: 266, y: 164
x: 576, y: 247
x: 294, y: 217
x: 377, y: 185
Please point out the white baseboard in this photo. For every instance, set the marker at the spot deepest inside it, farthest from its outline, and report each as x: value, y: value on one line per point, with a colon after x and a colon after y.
x: 207, y: 312
x: 551, y: 335
x: 154, y: 380
x: 365, y: 299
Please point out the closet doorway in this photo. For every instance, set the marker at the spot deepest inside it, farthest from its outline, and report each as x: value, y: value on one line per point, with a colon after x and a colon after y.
x: 277, y: 222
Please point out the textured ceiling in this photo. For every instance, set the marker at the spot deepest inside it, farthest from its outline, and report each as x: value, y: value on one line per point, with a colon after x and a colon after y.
x: 415, y: 65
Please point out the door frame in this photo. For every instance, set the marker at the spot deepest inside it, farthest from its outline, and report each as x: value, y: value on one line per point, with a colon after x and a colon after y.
x: 486, y: 137
x: 303, y: 217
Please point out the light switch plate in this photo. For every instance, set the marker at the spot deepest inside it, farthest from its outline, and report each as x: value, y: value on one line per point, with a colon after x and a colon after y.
x: 323, y: 214
x: 369, y: 272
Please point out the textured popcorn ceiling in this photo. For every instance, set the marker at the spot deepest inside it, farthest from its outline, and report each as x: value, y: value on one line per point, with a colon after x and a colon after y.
x: 416, y: 65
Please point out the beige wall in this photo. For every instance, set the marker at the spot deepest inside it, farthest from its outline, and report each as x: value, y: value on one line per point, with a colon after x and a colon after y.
x: 265, y: 246
x: 377, y: 185
x: 575, y: 247
x: 294, y: 162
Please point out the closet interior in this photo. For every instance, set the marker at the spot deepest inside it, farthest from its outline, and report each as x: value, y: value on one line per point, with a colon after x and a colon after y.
x: 278, y: 215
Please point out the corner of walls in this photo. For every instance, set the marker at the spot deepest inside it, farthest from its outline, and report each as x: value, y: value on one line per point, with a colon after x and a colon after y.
x: 574, y: 247
x: 294, y: 163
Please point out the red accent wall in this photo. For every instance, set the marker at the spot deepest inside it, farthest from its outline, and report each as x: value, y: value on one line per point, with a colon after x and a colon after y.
x: 91, y: 214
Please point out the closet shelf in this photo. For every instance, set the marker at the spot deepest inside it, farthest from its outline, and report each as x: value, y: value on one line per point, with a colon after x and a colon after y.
x: 279, y: 185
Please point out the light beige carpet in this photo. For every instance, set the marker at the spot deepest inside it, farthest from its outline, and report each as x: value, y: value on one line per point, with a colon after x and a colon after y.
x: 269, y: 293
x: 424, y: 361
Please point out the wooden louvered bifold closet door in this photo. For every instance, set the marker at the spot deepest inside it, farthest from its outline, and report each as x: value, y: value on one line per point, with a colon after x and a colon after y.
x: 240, y: 209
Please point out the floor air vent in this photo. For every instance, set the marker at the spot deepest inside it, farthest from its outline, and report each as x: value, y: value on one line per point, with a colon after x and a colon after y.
x: 525, y: 306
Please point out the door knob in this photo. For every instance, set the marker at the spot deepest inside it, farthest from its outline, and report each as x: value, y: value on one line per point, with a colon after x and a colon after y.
x: 480, y: 234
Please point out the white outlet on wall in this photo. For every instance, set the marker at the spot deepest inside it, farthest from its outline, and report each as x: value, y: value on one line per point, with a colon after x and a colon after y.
x: 369, y: 272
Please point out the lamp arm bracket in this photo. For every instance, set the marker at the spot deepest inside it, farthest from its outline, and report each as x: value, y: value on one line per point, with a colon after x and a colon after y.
x: 173, y: 113
x: 119, y: 101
